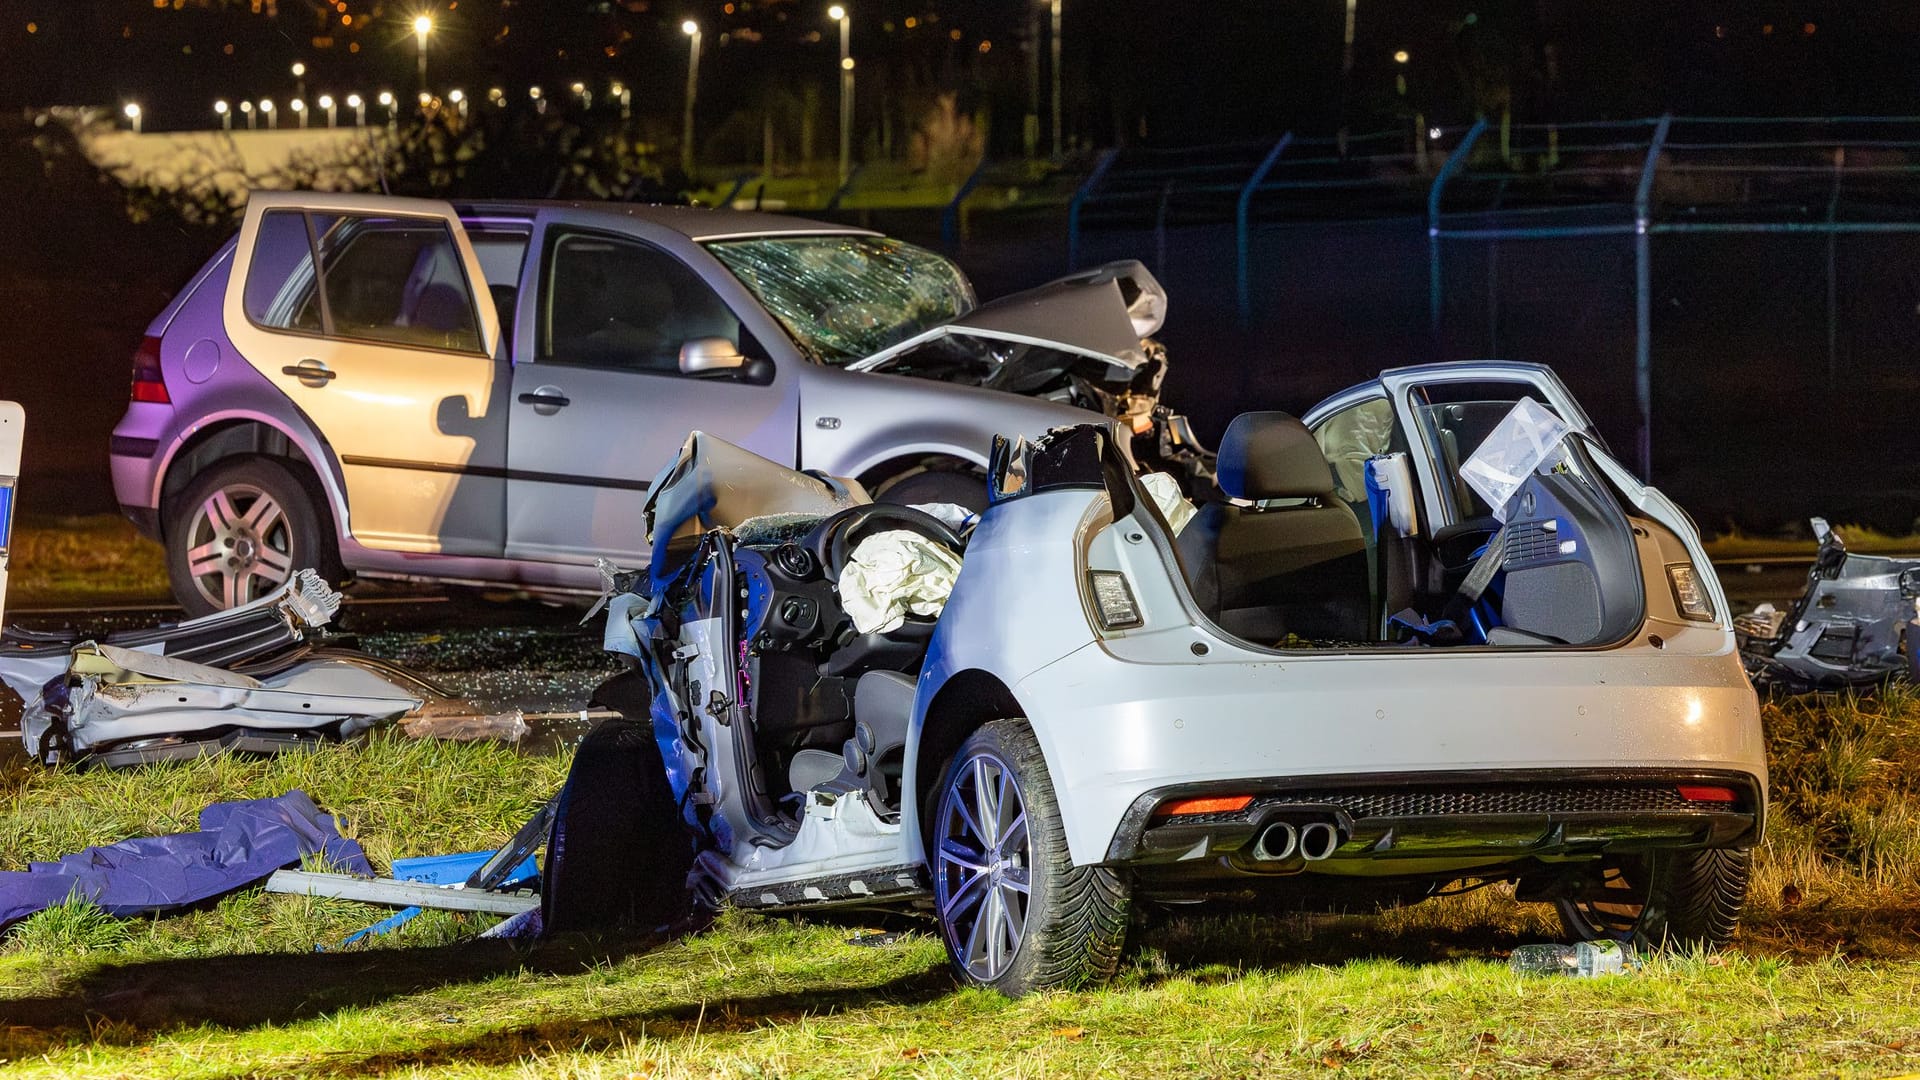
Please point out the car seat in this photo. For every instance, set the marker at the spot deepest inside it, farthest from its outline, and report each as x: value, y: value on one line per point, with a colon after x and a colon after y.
x: 1293, y: 562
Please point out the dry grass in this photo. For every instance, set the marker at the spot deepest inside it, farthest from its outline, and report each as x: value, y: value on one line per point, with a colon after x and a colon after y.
x: 80, y: 560
x: 1734, y: 545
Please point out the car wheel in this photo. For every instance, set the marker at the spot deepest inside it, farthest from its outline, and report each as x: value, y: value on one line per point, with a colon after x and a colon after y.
x: 241, y: 530
x: 1677, y: 899
x: 933, y: 485
x: 1015, y: 912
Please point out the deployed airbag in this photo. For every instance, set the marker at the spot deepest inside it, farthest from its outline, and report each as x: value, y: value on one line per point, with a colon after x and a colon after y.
x: 893, y: 574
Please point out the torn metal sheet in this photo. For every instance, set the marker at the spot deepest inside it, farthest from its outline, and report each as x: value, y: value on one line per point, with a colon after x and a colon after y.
x: 1848, y: 629
x: 400, y: 894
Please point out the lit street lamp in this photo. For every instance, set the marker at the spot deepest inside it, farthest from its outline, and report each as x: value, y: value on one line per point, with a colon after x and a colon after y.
x: 226, y: 115
x: 585, y: 95
x: 386, y: 102
x: 692, y: 30
x: 247, y: 108
x: 266, y: 110
x: 326, y: 103
x: 359, y: 106
x: 299, y: 108
x: 459, y: 99
x: 299, y: 80
x: 839, y: 14
x: 625, y: 98
x: 539, y: 103
x: 498, y: 97
x: 133, y: 116
x: 422, y: 26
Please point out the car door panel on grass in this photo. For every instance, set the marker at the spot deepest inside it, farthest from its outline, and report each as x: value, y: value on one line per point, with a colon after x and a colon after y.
x: 604, y: 404
x: 365, y: 313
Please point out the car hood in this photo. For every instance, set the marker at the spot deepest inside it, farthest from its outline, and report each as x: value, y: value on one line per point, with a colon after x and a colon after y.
x: 1103, y: 313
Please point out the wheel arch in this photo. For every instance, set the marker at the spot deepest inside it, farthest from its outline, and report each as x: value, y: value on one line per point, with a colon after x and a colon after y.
x: 249, y: 435
x: 965, y: 702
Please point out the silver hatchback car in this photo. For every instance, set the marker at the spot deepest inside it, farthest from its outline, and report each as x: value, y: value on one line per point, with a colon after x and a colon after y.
x: 404, y: 388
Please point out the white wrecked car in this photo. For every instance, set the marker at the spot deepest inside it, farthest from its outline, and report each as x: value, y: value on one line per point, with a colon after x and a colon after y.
x: 1435, y: 635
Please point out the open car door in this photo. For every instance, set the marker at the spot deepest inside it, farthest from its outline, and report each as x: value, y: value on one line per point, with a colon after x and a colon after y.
x: 372, y: 315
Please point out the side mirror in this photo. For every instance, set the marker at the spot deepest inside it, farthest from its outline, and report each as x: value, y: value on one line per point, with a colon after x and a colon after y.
x: 710, y: 356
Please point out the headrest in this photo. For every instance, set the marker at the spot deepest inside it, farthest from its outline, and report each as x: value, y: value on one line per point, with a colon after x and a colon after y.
x: 1271, y: 455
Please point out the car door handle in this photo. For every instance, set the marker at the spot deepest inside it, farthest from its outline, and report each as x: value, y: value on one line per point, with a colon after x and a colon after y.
x: 546, y: 400
x: 310, y: 372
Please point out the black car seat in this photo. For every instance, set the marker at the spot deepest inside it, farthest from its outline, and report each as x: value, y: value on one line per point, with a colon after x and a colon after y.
x: 1293, y: 563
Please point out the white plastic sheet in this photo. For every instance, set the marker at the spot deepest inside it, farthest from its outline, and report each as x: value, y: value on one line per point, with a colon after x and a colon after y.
x: 893, y: 574
x: 1527, y: 437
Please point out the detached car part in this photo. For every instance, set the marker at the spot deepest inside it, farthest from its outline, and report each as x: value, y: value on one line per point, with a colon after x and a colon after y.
x: 1854, y: 626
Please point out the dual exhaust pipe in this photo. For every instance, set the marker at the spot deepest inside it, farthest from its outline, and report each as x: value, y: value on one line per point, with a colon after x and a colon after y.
x: 1312, y: 841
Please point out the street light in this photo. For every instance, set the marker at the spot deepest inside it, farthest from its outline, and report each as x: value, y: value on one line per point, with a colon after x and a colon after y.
x: 226, y: 115
x: 585, y: 95
x: 1055, y: 44
x: 247, y: 108
x: 539, y: 103
x: 625, y: 98
x: 266, y: 109
x: 692, y: 30
x: 422, y: 26
x: 386, y: 102
x: 426, y: 99
x: 459, y: 99
x: 299, y: 108
x: 498, y: 97
x: 1402, y: 56
x: 299, y: 79
x: 839, y: 14
x: 359, y: 106
x: 326, y: 104
x: 133, y: 115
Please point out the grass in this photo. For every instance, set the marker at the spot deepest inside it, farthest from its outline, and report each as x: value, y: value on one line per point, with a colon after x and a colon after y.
x: 1734, y: 545
x: 83, y: 560
x: 1823, y: 980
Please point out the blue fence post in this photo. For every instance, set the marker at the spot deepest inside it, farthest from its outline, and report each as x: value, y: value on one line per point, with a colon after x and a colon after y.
x: 1240, y: 234
x: 1455, y: 161
x: 1080, y: 194
x: 1643, y: 294
x: 950, y: 217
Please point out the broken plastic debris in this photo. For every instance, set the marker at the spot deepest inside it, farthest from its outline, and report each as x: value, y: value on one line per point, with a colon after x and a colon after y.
x: 1519, y: 444
x: 508, y: 726
x: 893, y: 574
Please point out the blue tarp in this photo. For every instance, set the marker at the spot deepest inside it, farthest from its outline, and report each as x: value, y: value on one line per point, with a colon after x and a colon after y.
x: 238, y: 844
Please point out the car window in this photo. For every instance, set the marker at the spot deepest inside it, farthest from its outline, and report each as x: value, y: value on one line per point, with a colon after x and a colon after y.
x: 1349, y: 437
x: 500, y: 254
x: 1455, y: 418
x: 844, y: 298
x: 616, y: 303
x: 394, y: 280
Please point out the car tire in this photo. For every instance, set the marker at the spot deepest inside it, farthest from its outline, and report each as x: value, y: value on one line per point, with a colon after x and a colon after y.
x: 1668, y: 899
x: 240, y: 530
x: 962, y: 487
x: 1069, y: 926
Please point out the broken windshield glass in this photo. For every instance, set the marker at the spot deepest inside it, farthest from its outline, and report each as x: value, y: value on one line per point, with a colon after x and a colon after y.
x: 842, y: 298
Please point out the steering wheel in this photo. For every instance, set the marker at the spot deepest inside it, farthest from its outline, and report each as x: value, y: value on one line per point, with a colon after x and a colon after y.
x: 833, y: 540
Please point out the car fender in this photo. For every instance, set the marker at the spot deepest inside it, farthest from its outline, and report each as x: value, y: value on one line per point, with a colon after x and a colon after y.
x: 280, y: 415
x: 851, y: 422
x: 1015, y: 609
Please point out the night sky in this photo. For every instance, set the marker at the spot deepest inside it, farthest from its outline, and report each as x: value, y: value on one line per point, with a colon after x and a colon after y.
x: 1165, y: 71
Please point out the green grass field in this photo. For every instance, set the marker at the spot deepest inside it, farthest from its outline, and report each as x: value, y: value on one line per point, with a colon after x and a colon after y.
x: 1824, y: 978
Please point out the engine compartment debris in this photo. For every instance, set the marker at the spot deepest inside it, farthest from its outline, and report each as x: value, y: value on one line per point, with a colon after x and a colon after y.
x: 1858, y: 623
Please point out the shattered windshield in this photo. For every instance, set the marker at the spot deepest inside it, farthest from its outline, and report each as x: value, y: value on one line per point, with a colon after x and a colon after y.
x: 842, y: 298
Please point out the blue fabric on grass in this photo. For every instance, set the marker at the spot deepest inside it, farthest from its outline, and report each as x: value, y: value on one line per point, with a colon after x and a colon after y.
x: 238, y: 844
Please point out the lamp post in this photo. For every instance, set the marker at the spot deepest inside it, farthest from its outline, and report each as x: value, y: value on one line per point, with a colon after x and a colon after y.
x: 359, y: 106
x: 422, y: 26
x: 692, y: 30
x: 133, y: 116
x: 585, y: 95
x: 299, y: 108
x: 266, y: 110
x: 225, y: 112
x: 386, y: 102
x: 839, y: 14
x: 327, y: 106
x: 1054, y: 43
x: 625, y: 98
x: 299, y: 80
x: 539, y: 102
x: 459, y: 99
x: 247, y: 108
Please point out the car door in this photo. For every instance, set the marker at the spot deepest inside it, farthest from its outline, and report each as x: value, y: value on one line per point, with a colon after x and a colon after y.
x: 372, y: 315
x: 600, y: 404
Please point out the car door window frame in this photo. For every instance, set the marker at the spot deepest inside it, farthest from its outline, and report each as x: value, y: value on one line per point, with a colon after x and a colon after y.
x: 551, y: 236
x: 327, y: 331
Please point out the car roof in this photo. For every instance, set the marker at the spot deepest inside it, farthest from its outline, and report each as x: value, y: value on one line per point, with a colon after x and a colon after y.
x: 693, y: 222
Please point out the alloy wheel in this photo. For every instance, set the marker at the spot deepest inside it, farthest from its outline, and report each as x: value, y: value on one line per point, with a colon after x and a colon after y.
x: 240, y: 545
x: 1613, y: 907
x: 983, y: 878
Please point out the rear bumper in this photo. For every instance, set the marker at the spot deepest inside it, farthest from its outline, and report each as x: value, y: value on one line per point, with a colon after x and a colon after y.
x: 1434, y: 821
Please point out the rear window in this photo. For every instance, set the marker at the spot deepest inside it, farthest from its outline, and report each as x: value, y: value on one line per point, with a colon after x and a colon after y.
x: 392, y: 280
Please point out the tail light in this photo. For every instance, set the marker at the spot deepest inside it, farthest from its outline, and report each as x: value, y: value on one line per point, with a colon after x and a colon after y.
x: 1707, y: 793
x: 148, y: 385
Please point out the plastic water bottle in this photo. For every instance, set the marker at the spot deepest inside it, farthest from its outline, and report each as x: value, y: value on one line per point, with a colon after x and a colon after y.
x: 1585, y: 960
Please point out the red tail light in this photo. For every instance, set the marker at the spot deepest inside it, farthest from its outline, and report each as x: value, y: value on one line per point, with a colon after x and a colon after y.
x: 147, y: 383
x: 1220, y: 804
x: 1704, y: 793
